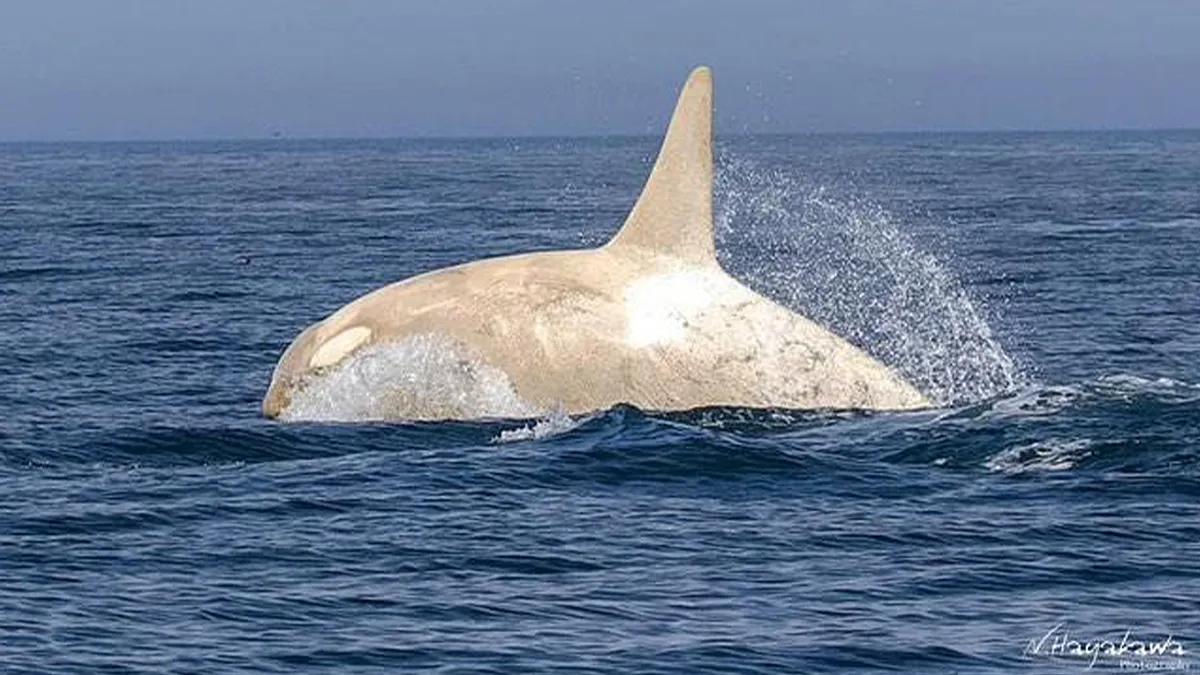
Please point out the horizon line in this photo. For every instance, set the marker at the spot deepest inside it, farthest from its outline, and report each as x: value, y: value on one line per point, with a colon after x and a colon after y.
x: 585, y: 136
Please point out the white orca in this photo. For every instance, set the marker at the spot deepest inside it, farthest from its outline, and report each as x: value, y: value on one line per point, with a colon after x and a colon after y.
x: 649, y: 319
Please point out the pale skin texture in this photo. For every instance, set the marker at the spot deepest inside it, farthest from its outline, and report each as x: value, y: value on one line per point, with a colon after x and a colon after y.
x: 648, y: 319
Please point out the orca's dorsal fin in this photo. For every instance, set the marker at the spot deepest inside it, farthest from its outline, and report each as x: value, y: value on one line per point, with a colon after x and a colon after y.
x: 673, y: 215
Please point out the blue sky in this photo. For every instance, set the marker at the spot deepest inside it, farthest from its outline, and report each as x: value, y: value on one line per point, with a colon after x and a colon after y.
x: 163, y: 69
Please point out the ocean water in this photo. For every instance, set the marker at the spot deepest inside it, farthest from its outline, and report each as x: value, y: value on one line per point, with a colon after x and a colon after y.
x: 1043, y: 287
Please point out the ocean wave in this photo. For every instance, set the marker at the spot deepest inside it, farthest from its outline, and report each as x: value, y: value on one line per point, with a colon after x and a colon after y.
x: 1117, y: 422
x: 1114, y: 422
x: 554, y: 424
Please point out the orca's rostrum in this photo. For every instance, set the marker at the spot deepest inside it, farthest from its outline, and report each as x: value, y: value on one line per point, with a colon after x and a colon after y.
x: 649, y: 319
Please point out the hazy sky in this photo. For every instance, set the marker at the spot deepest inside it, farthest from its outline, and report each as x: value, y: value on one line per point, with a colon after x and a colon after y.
x: 131, y: 69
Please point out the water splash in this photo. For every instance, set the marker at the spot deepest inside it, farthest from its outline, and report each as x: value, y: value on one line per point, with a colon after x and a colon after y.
x: 420, y: 377
x: 556, y: 423
x: 846, y: 263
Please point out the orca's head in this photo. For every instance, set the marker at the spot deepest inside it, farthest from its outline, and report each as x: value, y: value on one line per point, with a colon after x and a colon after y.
x: 321, y: 346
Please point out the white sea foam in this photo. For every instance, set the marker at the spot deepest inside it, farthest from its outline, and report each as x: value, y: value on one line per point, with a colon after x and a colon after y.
x: 423, y: 376
x: 1125, y: 386
x: 555, y: 424
x: 1049, y: 455
x: 1035, y: 401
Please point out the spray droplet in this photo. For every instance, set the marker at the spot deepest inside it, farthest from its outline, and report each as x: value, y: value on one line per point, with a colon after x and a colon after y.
x: 846, y: 263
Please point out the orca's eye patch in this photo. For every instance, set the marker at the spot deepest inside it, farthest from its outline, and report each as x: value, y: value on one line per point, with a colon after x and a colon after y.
x: 338, y: 346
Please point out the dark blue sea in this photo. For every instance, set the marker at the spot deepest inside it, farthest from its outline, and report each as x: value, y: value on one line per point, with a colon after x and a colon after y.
x: 1044, y: 288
